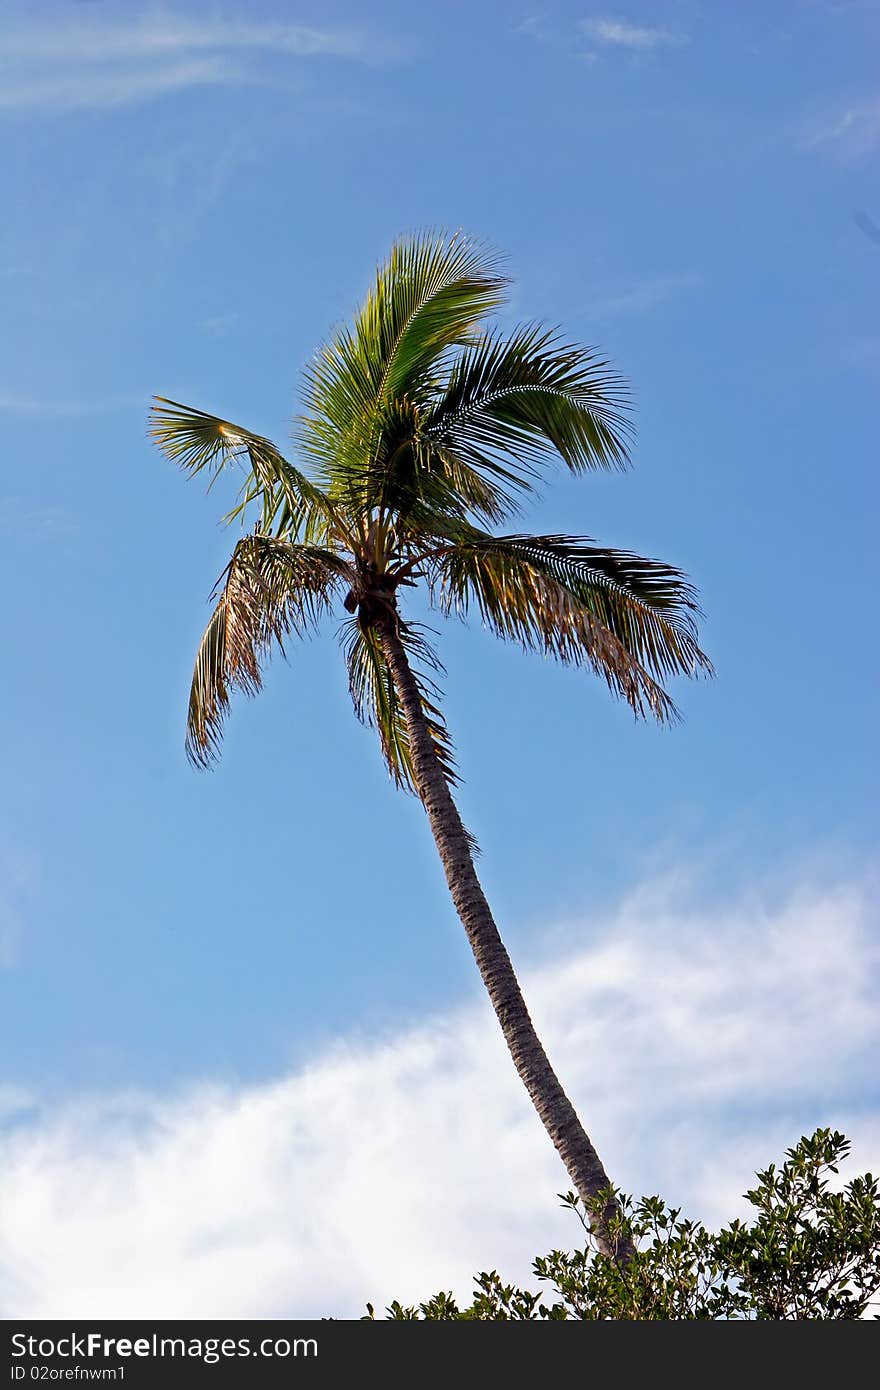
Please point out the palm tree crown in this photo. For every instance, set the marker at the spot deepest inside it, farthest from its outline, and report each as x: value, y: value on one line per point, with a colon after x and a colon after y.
x: 423, y: 430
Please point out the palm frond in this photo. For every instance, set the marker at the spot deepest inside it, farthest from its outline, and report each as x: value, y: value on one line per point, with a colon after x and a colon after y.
x: 377, y: 703
x: 289, y: 502
x: 511, y: 403
x: 408, y: 478
x: 427, y: 298
x: 633, y: 620
x: 269, y: 590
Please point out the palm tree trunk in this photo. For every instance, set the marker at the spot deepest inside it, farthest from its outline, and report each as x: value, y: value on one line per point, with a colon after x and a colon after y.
x: 552, y: 1104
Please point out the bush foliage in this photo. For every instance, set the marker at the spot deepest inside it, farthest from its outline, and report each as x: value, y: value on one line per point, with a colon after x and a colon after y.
x: 810, y: 1250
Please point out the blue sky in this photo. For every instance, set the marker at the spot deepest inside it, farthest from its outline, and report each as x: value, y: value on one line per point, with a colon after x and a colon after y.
x: 195, y: 194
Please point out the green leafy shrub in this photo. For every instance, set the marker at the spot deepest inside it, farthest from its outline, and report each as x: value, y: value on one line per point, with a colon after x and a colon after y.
x: 811, y: 1250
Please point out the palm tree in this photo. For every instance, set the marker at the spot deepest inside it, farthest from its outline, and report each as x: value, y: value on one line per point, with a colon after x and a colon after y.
x: 422, y: 429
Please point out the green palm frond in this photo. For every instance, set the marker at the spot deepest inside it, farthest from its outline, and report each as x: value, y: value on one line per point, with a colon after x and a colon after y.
x: 512, y: 402
x: 486, y: 488
x: 632, y: 619
x: 268, y: 590
x: 290, y: 503
x: 427, y: 298
x: 413, y: 475
x: 377, y: 703
x: 413, y: 478
x: 410, y: 482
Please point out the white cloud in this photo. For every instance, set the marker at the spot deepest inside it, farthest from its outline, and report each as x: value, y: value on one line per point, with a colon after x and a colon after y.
x: 851, y: 134
x: 14, y: 1100
x: 10, y: 933
x: 615, y: 32
x: 219, y: 325
x: 18, y: 875
x: 19, y: 403
x: 70, y: 90
x: 862, y: 352
x: 137, y: 37
x: 71, y: 65
x: 641, y: 296
x: 698, y: 1041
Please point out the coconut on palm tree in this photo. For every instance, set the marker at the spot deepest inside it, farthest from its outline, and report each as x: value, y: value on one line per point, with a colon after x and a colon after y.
x: 423, y: 431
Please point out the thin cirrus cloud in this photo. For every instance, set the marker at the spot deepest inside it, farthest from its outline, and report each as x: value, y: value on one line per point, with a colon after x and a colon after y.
x: 614, y: 32
x: 10, y: 928
x: 22, y: 403
x: 18, y: 874
x: 698, y: 1042
x: 851, y: 134
x: 642, y: 296
x: 78, y: 65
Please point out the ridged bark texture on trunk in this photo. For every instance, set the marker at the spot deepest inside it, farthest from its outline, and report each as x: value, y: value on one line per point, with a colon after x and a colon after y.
x: 556, y: 1112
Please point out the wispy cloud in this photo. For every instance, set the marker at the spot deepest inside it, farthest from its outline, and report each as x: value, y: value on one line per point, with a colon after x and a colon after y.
x: 862, y: 351
x: 866, y: 224
x: 21, y: 403
x: 10, y: 930
x: 850, y: 134
x: 698, y: 1040
x: 585, y: 38
x: 139, y: 37
x: 614, y: 32
x: 17, y: 876
x: 14, y: 1100
x: 19, y: 517
x: 642, y: 296
x: 69, y: 90
x: 89, y: 63
x: 219, y: 325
